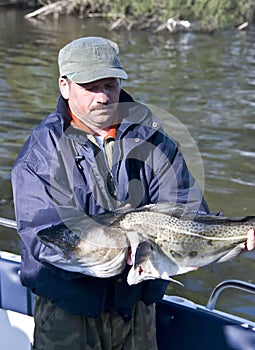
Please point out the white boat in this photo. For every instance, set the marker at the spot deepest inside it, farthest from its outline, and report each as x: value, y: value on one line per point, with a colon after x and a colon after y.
x: 181, y: 323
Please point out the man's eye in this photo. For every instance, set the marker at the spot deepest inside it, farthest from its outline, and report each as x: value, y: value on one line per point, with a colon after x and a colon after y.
x: 111, y: 86
x: 88, y: 88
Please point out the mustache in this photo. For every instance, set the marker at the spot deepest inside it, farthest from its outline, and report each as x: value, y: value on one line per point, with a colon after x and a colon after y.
x: 103, y: 106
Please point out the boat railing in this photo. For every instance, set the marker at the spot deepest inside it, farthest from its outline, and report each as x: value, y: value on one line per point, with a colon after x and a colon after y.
x: 237, y: 284
x: 8, y: 223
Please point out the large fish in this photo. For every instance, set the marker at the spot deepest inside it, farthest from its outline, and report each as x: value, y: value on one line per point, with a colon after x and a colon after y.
x: 166, y: 240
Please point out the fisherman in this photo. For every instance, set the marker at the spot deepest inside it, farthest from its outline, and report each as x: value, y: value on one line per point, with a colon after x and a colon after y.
x: 99, y: 151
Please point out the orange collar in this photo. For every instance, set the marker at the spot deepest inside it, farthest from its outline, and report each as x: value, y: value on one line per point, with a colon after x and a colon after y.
x: 111, y: 132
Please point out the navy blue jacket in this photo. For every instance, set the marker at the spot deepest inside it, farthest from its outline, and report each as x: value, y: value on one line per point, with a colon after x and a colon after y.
x: 60, y: 174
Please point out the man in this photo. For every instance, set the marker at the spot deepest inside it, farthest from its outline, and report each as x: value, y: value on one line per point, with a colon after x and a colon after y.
x: 99, y: 151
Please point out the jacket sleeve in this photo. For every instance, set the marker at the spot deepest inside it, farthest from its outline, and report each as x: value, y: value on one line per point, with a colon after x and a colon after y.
x: 40, y: 198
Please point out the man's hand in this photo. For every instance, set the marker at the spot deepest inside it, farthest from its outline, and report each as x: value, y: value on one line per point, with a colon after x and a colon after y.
x: 250, y: 243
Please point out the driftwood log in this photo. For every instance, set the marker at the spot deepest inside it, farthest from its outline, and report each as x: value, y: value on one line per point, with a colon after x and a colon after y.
x: 55, y: 7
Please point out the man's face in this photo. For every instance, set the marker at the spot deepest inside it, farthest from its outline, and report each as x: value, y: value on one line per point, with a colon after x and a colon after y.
x: 93, y: 103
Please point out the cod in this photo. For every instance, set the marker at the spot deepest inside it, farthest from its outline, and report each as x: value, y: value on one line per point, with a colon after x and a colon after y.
x: 158, y: 240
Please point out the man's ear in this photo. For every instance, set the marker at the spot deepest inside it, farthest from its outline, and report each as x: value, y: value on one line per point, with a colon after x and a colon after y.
x: 64, y: 87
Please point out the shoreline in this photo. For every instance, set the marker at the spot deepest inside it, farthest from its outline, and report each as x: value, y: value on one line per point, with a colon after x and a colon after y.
x: 202, y: 16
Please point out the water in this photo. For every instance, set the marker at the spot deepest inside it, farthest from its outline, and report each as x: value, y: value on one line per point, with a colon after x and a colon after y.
x: 206, y: 81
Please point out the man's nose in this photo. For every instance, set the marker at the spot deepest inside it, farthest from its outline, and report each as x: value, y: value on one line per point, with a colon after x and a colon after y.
x: 102, y: 96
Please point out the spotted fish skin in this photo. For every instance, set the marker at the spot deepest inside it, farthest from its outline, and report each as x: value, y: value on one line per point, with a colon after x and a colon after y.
x: 186, y: 244
x: 166, y: 240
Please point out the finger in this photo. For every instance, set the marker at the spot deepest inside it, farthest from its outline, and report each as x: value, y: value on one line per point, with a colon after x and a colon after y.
x: 125, y: 208
x: 250, y: 240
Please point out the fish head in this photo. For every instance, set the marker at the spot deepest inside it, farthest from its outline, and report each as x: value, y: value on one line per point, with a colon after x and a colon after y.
x: 86, y: 247
x: 151, y: 263
x: 61, y: 239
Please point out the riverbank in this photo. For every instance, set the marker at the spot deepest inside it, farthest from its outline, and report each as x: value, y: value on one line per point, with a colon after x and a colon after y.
x: 195, y: 15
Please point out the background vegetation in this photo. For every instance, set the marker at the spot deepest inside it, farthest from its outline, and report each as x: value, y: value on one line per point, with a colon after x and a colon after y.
x: 208, y: 15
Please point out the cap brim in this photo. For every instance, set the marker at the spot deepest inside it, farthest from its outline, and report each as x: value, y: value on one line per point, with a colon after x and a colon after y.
x: 97, y: 74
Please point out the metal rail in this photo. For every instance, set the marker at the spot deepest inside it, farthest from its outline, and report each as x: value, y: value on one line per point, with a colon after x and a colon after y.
x: 241, y: 285
x: 8, y: 223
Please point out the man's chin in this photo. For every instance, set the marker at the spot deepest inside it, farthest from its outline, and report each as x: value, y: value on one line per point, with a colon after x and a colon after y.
x: 99, y: 121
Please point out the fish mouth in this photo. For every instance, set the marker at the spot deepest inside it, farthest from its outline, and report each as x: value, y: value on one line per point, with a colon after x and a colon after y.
x: 62, y: 251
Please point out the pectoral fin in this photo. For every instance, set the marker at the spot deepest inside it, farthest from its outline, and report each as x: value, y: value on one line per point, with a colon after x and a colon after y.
x: 143, y: 252
x: 137, y: 275
x: 151, y: 264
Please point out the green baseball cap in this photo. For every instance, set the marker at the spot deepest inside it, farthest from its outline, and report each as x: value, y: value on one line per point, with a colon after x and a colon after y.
x: 89, y: 59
